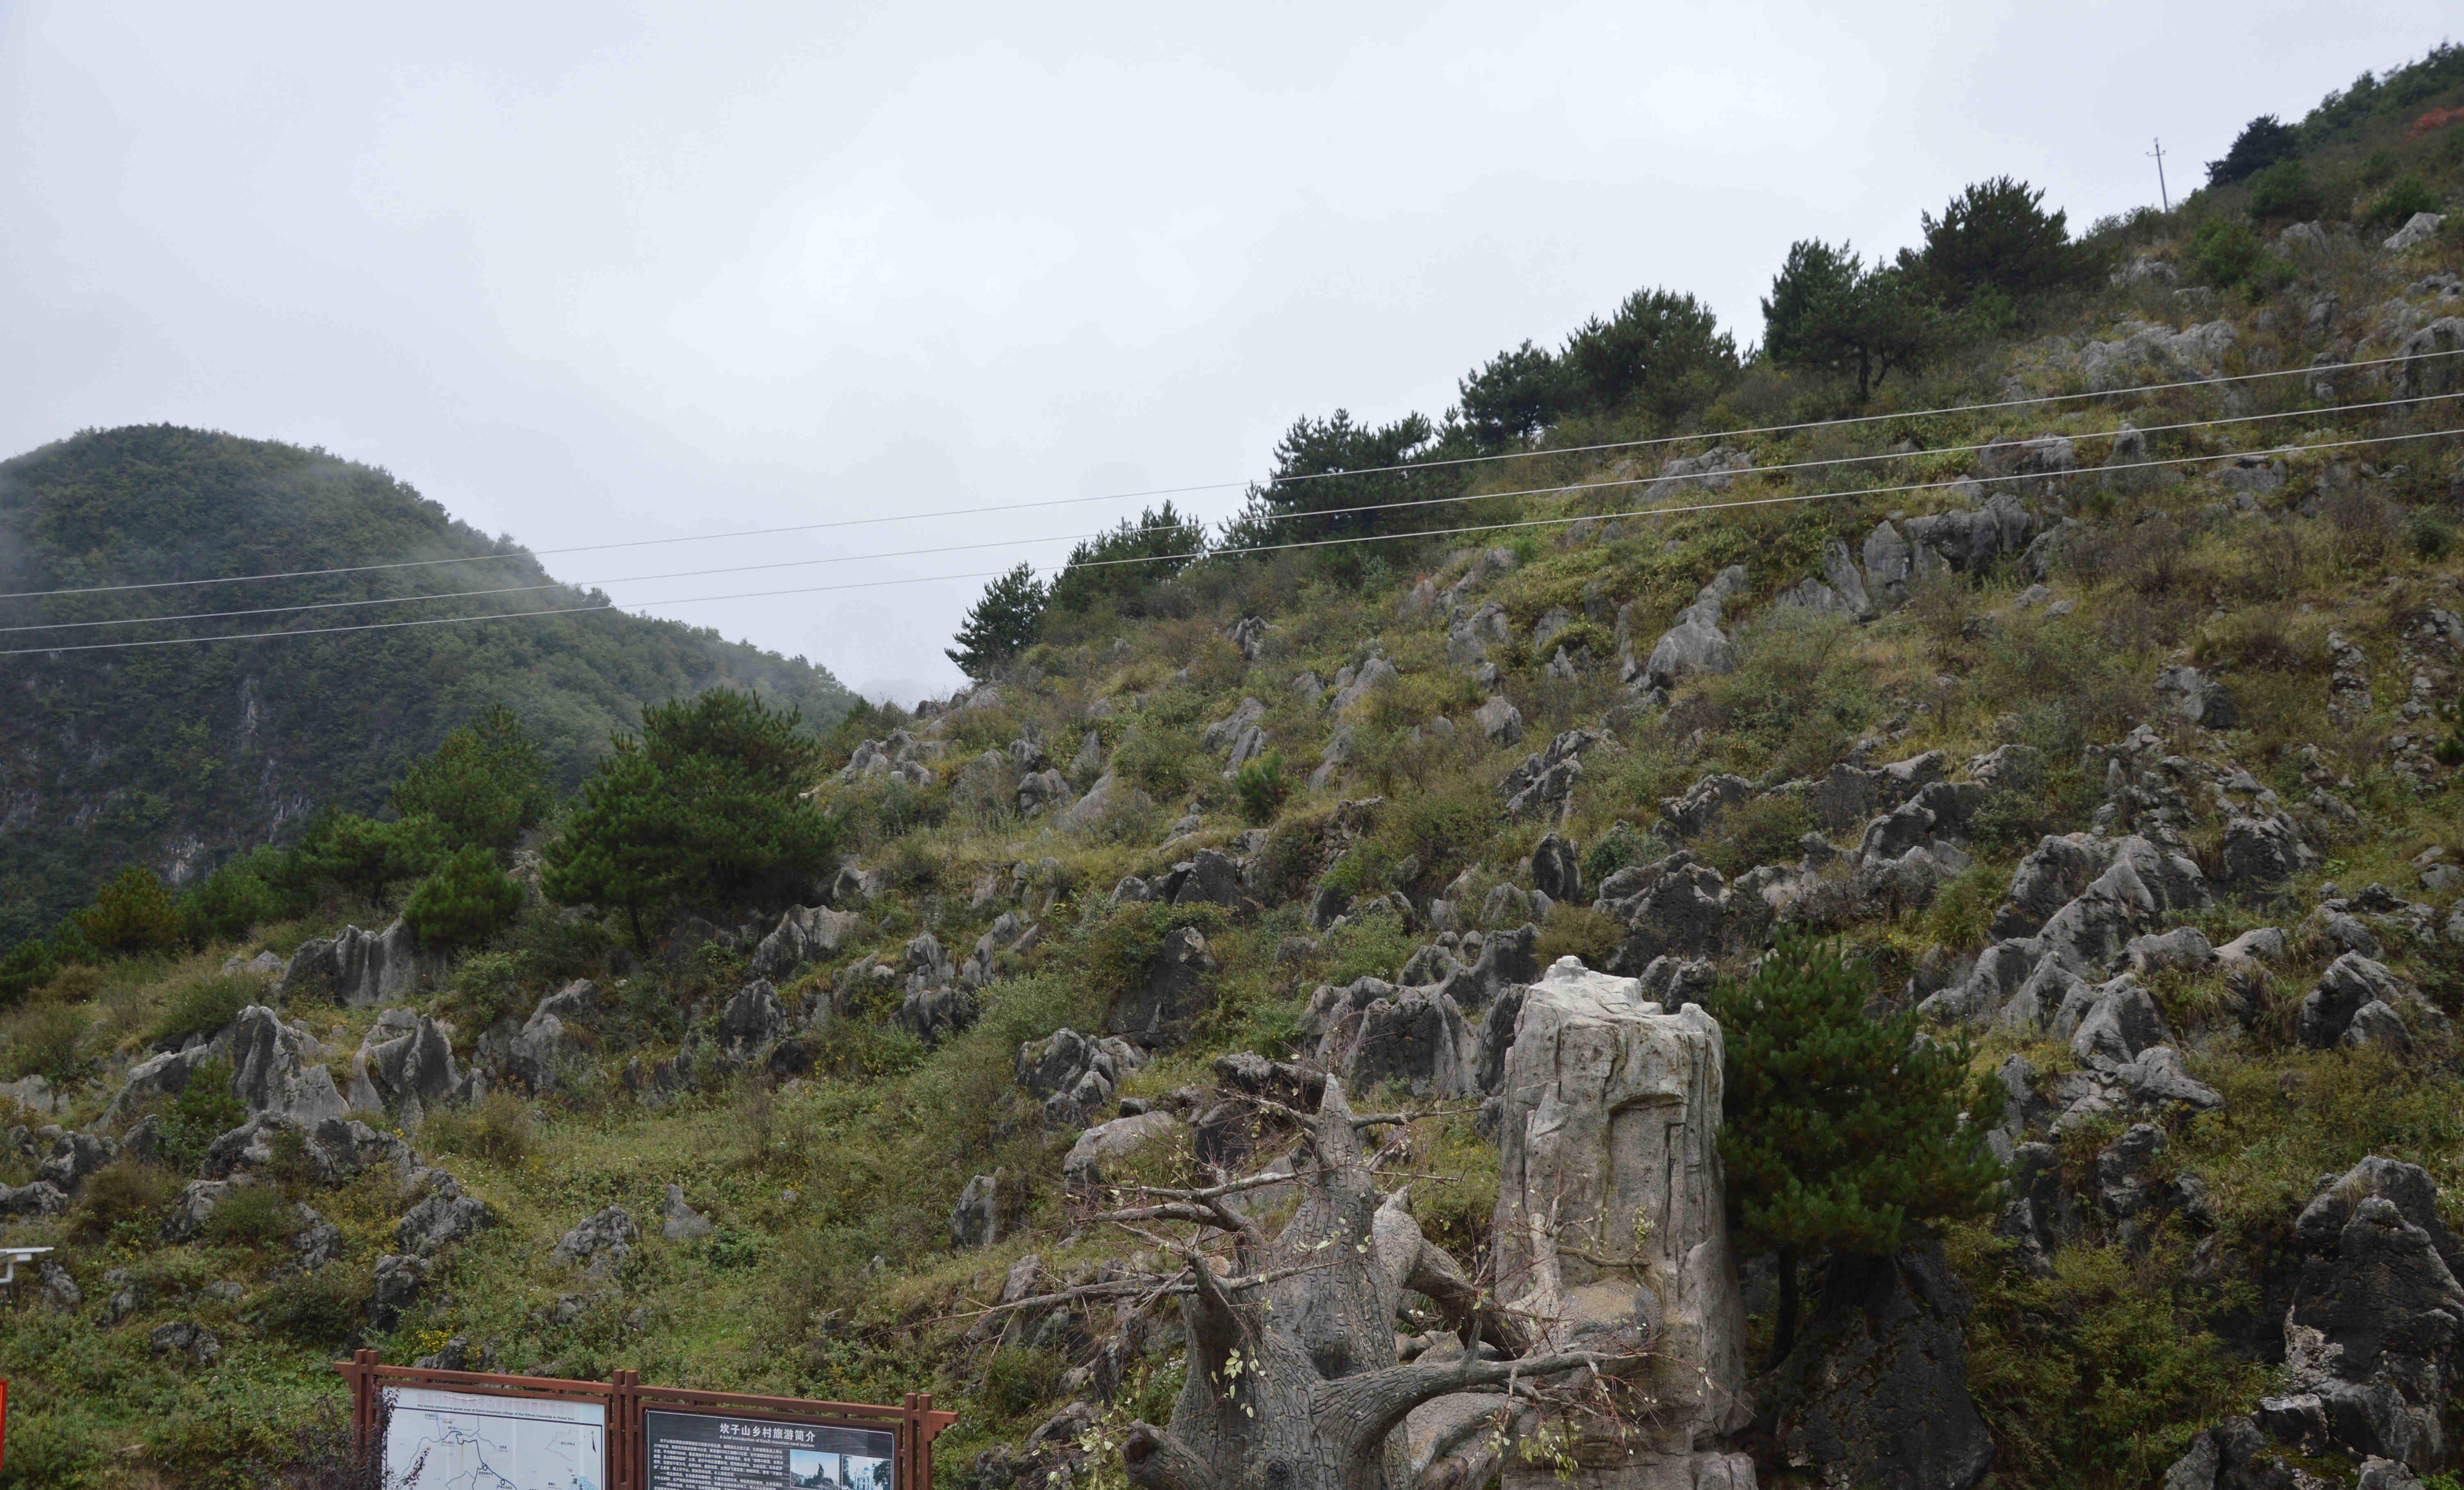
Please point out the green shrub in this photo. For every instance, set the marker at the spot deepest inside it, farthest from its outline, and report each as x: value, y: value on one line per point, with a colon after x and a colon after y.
x: 2378, y: 167
x: 325, y: 1307
x: 2285, y: 191
x: 2432, y: 536
x: 234, y: 899
x: 2395, y: 206
x: 133, y: 913
x: 120, y: 1200
x: 46, y: 1040
x: 729, y: 1247
x: 705, y: 807
x: 1126, y: 943
x: 2090, y: 1377
x: 1019, y: 1380
x: 199, y: 1113
x: 1963, y: 908
x: 253, y: 1215
x: 1260, y: 787
x: 1367, y: 945
x: 1758, y: 831
x: 201, y: 1006
x: 46, y: 1452
x: 1618, y: 848
x: 1288, y: 861
x: 1584, y: 636
x: 1439, y: 829
x: 2224, y: 252
x: 1580, y: 932
x: 1158, y: 758
x: 488, y: 986
x: 462, y: 901
x: 497, y: 1129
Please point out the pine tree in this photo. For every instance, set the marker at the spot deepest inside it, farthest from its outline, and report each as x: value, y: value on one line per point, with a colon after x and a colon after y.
x: 1829, y: 312
x: 1000, y: 624
x: 485, y: 784
x: 464, y: 899
x: 1844, y: 1133
x: 1995, y: 237
x: 705, y: 807
x: 132, y: 913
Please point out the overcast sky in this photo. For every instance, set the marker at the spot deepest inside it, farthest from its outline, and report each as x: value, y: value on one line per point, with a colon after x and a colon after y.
x: 584, y: 273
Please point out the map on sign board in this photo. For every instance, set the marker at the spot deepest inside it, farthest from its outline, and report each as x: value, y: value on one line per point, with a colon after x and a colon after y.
x: 464, y: 1440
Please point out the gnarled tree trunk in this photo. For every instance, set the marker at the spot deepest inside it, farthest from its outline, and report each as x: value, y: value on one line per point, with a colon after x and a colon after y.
x: 1292, y: 1376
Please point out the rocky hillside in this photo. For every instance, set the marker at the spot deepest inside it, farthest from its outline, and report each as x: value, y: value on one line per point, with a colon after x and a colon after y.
x: 1358, y: 917
x: 178, y: 758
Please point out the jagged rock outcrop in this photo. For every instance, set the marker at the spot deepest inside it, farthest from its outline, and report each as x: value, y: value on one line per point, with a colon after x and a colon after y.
x: 1556, y: 870
x: 1351, y: 686
x: 1677, y: 906
x: 752, y: 1020
x: 1178, y: 986
x: 1610, y: 1116
x: 2370, y: 1341
x: 400, y: 1277
x: 1109, y: 802
x: 1075, y: 1079
x: 1109, y: 1142
x: 356, y: 968
x: 556, y: 1032
x: 2357, y: 992
x: 1007, y: 934
x: 804, y: 934
x: 1545, y: 779
x: 276, y: 1067
x: 599, y: 1244
x: 404, y: 1066
x: 72, y: 1157
x: 1691, y: 815
x: 1712, y: 471
x: 445, y: 1217
x: 1874, y: 1393
x: 1694, y: 644
x: 975, y: 1222
x: 1375, y: 1034
x: 679, y: 1221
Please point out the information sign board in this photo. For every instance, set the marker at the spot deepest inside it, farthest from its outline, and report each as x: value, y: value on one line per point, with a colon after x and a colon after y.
x: 445, y: 1440
x: 711, y: 1451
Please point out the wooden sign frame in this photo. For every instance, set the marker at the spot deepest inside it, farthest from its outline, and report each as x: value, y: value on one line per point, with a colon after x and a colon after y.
x: 914, y: 1423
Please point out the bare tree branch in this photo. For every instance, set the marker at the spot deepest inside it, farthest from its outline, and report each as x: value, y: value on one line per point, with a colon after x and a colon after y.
x: 1157, y: 1460
x: 1362, y: 1409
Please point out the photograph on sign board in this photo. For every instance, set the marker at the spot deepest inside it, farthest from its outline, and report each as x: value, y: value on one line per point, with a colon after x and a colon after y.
x: 859, y: 1473
x: 808, y: 1468
x: 447, y: 1441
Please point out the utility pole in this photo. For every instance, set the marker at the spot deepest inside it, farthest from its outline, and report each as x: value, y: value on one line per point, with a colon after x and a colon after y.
x: 2161, y: 195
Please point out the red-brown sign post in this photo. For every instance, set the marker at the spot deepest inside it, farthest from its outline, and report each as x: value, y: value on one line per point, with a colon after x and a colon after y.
x: 909, y: 1428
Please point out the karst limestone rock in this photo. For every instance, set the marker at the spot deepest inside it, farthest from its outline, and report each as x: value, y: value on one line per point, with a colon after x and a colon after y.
x: 1609, y: 1129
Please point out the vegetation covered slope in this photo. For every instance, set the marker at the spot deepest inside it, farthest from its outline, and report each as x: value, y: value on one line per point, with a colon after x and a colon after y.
x: 178, y: 756
x: 823, y: 1099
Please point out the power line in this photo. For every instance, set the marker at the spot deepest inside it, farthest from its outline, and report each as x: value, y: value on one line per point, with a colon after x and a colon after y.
x: 1262, y: 548
x: 1222, y: 486
x: 1319, y: 513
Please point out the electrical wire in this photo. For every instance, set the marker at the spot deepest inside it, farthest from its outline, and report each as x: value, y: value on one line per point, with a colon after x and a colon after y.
x: 1321, y: 513
x: 1225, y: 486
x: 1262, y: 548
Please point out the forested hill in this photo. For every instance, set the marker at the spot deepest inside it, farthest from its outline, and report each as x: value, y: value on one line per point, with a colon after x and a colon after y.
x: 176, y: 757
